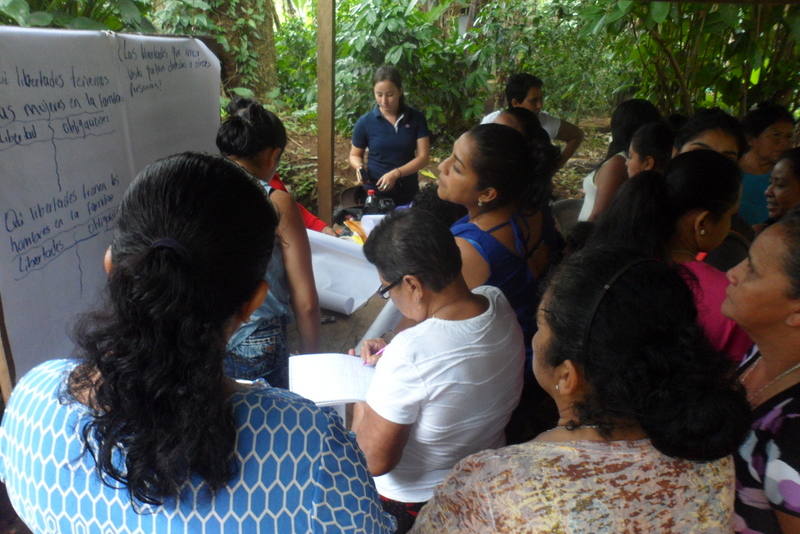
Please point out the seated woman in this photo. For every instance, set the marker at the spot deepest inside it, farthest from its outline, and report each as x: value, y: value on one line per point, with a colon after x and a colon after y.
x: 764, y: 298
x: 713, y: 129
x: 508, y: 238
x: 145, y: 433
x: 676, y: 216
x: 600, y: 185
x: 768, y: 129
x: 444, y: 388
x: 649, y: 413
x: 650, y: 148
x: 783, y: 192
x: 255, y: 139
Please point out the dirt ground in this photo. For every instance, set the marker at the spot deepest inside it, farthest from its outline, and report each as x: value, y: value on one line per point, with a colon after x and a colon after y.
x: 299, y: 165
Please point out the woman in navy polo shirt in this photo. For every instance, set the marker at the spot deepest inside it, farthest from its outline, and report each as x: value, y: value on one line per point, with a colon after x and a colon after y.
x: 396, y: 137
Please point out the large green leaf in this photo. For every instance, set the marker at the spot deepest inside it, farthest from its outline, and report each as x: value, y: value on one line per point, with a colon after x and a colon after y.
x: 84, y: 23
x: 40, y: 18
x: 18, y: 10
x: 129, y: 11
x: 659, y: 11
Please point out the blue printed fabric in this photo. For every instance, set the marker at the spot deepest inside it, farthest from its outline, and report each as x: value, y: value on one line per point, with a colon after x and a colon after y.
x: 300, y: 471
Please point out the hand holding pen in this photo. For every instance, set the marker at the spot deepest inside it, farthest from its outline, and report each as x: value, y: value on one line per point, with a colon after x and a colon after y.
x: 371, y: 350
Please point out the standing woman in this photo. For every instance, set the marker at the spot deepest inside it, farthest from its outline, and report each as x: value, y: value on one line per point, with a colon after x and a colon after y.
x: 768, y: 130
x: 396, y: 138
x: 255, y: 139
x: 764, y: 298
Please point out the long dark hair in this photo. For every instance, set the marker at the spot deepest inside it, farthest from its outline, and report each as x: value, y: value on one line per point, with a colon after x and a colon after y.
x: 192, y: 242
x: 708, y: 119
x: 631, y: 329
x: 520, y: 172
x: 763, y: 116
x: 538, y: 139
x: 628, y: 117
x: 249, y: 129
x: 645, y: 212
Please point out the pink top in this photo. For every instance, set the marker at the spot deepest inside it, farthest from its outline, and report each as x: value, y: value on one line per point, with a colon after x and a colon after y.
x: 709, y: 292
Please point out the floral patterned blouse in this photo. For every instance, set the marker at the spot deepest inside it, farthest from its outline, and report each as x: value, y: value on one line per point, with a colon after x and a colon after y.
x: 768, y: 465
x: 582, y: 486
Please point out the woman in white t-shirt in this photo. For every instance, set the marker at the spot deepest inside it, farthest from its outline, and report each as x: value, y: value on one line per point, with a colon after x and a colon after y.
x: 444, y: 388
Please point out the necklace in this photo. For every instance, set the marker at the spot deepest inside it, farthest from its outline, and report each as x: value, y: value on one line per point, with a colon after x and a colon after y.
x: 576, y: 427
x: 757, y: 394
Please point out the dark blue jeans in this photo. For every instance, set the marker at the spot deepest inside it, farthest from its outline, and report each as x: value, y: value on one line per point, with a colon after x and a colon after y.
x: 263, y: 354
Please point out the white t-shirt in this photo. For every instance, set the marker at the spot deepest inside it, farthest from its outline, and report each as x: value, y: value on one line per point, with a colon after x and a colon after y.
x: 457, y: 383
x: 549, y: 123
x: 590, y: 192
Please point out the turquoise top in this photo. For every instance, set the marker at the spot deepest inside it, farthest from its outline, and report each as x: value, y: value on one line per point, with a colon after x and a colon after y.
x: 753, y: 208
x: 277, y: 302
x: 299, y: 470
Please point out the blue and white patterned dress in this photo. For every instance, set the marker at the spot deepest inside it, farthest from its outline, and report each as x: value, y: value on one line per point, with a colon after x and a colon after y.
x: 300, y: 471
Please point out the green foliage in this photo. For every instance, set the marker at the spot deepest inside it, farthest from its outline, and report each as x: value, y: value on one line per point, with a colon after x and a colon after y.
x: 452, y: 76
x: 440, y: 68
x: 117, y: 15
x: 237, y: 38
x: 296, y: 52
x: 706, y: 54
x: 582, y: 73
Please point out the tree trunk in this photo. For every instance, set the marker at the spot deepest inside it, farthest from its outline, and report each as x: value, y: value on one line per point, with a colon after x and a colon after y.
x: 251, y: 53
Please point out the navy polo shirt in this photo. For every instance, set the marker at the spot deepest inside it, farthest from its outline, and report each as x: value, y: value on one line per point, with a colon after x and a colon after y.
x: 389, y: 147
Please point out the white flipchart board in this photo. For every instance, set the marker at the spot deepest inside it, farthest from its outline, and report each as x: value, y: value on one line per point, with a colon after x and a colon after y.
x: 81, y: 112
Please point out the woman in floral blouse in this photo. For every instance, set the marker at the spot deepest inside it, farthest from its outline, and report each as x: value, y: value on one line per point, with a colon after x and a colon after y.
x: 649, y: 414
x: 764, y: 298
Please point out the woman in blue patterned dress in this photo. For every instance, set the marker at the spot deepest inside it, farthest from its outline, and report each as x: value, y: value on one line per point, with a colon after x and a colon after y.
x: 764, y: 298
x: 144, y: 433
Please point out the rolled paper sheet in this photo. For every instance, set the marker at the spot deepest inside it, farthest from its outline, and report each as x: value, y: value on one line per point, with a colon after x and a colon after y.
x: 344, y: 279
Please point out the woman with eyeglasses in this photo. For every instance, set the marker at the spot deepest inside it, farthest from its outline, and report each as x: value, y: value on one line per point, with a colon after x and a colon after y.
x: 442, y: 389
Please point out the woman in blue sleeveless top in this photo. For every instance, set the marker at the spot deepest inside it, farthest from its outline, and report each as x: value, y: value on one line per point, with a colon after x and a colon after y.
x: 508, y: 238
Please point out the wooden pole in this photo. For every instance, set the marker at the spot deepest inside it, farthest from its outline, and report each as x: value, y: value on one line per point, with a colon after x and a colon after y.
x: 6, y: 363
x: 326, y: 34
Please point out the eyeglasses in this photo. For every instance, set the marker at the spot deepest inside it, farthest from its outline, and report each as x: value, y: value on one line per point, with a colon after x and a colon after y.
x: 383, y: 291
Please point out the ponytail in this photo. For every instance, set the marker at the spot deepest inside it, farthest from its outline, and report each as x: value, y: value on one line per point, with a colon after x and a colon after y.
x: 192, y: 242
x: 640, y: 217
x: 249, y: 129
x: 519, y: 171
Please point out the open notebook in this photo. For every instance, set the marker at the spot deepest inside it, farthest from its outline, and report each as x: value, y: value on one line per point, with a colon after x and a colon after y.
x: 329, y: 379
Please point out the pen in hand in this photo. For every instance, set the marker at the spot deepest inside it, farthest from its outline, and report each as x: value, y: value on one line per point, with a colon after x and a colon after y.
x: 365, y: 362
